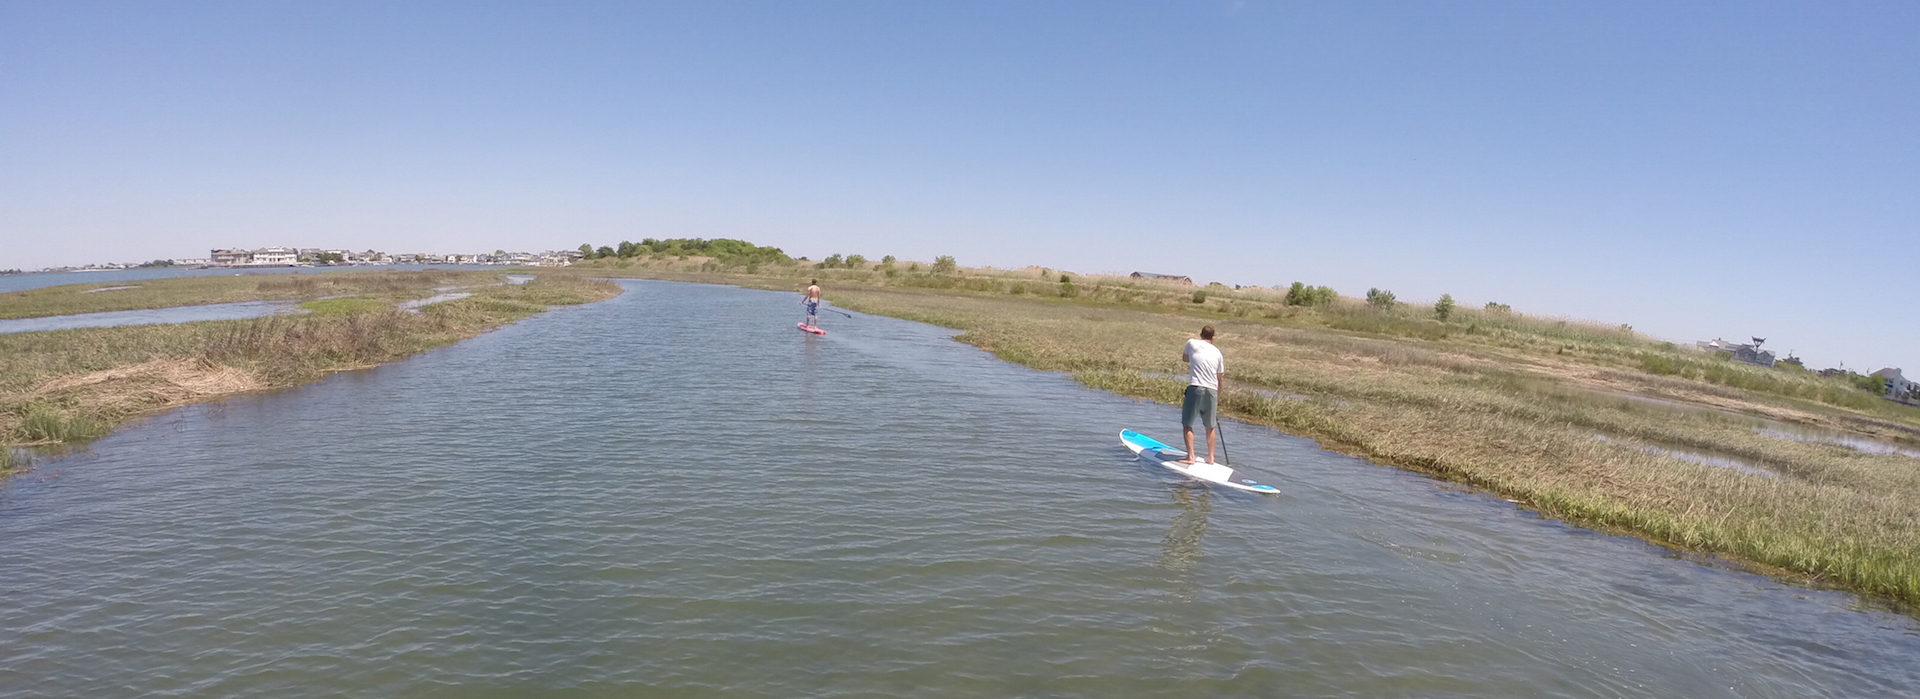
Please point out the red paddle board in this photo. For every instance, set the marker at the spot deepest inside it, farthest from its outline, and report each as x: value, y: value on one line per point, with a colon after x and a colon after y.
x: 811, y: 329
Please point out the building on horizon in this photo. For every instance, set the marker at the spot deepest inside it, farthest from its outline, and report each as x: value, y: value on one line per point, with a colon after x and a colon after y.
x: 1899, y: 388
x: 1152, y: 277
x: 1751, y: 354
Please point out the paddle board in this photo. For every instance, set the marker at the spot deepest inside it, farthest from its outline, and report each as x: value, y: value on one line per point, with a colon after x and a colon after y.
x: 811, y: 329
x: 1152, y: 450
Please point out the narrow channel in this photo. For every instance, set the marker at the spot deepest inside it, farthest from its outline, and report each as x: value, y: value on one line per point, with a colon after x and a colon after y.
x: 675, y: 492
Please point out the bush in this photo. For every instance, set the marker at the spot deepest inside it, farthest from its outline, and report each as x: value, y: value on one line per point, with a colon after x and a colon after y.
x: 1302, y: 295
x: 831, y: 262
x: 1444, y: 307
x: 1656, y: 364
x: 1199, y: 296
x: 856, y: 262
x: 944, y: 264
x: 1380, y: 299
x: 1498, y: 307
x: 887, y: 260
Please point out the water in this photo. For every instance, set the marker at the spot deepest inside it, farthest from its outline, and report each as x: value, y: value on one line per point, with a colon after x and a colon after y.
x: 151, y: 316
x: 415, y: 305
x: 1780, y: 430
x: 1716, y: 461
x: 675, y: 493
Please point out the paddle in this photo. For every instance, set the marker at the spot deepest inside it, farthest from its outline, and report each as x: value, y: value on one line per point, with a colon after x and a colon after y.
x: 803, y: 302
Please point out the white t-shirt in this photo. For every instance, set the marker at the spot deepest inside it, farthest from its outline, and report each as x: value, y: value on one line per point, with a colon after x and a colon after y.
x: 1205, y: 362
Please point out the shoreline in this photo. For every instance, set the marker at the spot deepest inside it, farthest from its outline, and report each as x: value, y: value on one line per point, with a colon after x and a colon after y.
x: 65, y: 388
x: 1508, y: 424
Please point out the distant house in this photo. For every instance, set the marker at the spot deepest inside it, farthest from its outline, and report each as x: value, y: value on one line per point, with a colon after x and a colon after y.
x: 1751, y: 354
x: 231, y: 257
x: 1899, y: 388
x: 1175, y: 278
x: 276, y: 256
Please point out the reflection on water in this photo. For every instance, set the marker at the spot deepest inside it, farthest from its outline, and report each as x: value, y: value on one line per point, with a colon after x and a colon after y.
x: 155, y: 316
x: 1182, y: 554
x: 1811, y: 436
x: 676, y: 493
x: 414, y: 306
x: 1726, y: 462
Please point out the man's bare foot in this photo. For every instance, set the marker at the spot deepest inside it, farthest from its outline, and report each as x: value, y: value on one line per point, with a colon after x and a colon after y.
x: 1185, y: 462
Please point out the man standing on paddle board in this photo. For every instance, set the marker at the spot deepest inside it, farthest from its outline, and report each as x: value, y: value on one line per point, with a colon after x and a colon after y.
x: 813, y: 304
x: 1205, y: 369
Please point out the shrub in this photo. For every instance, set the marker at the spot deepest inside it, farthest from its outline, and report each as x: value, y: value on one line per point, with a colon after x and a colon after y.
x: 856, y: 262
x: 1302, y: 295
x: 831, y: 262
x: 1498, y: 307
x: 1067, y: 289
x: 887, y: 260
x: 1199, y: 296
x: 944, y: 264
x: 1443, y: 307
x: 1064, y: 279
x: 1656, y: 364
x: 1380, y: 299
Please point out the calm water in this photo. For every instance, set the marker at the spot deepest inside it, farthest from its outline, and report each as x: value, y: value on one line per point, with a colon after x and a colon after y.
x: 675, y: 493
x: 150, y: 316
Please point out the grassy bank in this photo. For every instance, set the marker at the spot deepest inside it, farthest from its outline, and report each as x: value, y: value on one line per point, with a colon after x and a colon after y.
x: 101, y: 297
x: 1548, y: 412
x: 70, y: 386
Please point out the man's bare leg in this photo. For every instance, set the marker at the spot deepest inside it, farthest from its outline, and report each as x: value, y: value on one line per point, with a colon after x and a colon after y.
x: 1188, y: 430
x: 1210, y: 432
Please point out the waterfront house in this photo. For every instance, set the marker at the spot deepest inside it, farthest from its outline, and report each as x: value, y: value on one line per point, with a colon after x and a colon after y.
x: 276, y: 256
x: 230, y: 257
x: 1152, y: 277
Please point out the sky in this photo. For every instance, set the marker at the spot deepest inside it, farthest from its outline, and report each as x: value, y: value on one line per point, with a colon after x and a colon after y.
x: 1696, y: 170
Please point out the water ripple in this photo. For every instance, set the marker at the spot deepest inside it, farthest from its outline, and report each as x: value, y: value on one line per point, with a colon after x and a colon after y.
x: 674, y: 493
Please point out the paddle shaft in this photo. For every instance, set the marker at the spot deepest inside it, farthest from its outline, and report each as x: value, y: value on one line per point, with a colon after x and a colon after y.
x: 1220, y: 425
x: 803, y: 301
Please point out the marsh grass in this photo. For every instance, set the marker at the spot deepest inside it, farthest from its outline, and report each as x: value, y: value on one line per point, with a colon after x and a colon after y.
x: 346, y: 306
x: 188, y: 291
x: 70, y: 386
x: 1508, y: 425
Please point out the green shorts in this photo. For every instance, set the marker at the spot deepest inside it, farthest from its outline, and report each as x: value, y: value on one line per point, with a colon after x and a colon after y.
x: 1202, y: 404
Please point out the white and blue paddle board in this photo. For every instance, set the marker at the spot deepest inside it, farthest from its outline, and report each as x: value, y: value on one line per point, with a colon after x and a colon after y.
x: 1152, y: 450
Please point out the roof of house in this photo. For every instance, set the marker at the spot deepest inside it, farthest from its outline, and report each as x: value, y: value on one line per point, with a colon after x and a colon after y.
x: 1151, y: 275
x: 1887, y: 373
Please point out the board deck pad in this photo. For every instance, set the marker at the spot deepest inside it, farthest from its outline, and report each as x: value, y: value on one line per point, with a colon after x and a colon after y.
x: 1157, y: 452
x: 812, y: 329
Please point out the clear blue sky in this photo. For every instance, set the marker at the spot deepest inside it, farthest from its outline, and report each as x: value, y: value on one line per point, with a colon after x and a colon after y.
x: 1694, y: 169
